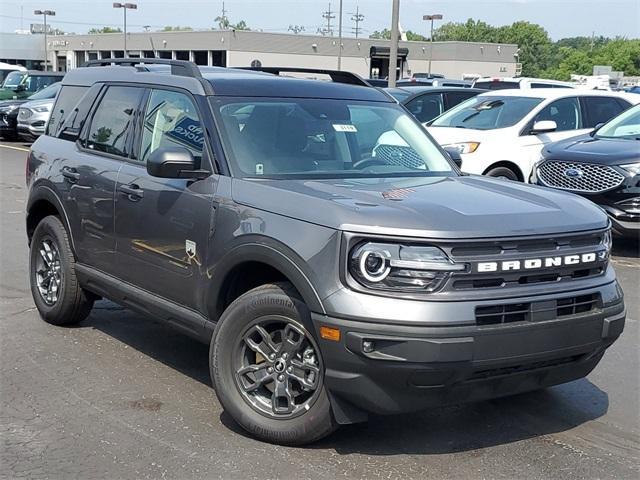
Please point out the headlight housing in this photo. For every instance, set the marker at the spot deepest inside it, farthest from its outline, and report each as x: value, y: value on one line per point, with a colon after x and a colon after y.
x: 8, y: 108
x: 464, y: 147
x: 632, y: 168
x: 41, y: 109
x: 401, y: 268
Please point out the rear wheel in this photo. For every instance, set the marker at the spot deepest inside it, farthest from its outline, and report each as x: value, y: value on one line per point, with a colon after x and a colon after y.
x: 267, y: 369
x: 58, y: 296
x: 502, y: 172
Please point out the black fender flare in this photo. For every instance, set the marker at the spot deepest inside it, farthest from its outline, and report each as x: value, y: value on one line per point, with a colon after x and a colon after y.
x: 269, y: 252
x: 45, y: 192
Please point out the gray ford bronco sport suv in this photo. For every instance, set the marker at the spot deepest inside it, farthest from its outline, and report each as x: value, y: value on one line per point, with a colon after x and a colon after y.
x: 332, y: 275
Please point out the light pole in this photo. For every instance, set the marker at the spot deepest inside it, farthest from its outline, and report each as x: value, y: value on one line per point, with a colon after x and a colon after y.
x: 340, y: 37
x: 44, y: 13
x: 436, y: 16
x: 393, y: 50
x: 125, y: 7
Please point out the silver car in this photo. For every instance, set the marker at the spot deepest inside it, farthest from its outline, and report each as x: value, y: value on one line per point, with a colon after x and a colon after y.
x: 34, y: 114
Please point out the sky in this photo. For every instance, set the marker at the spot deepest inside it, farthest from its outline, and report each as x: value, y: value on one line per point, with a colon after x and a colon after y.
x: 561, y: 18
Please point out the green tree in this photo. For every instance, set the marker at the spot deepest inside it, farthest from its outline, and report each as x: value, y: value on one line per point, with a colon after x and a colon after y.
x: 105, y: 30
x: 386, y: 35
x: 534, y: 44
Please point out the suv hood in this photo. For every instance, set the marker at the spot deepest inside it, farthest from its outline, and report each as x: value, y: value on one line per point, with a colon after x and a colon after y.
x: 448, y: 135
x: 439, y: 207
x: 38, y: 103
x: 585, y: 148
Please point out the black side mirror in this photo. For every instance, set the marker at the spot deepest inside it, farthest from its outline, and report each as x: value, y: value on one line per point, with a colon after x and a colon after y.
x: 454, y: 154
x: 174, y: 162
x: 20, y: 88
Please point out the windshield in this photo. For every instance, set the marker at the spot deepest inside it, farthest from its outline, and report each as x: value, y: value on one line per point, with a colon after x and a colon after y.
x: 487, y: 112
x: 13, y: 79
x: 398, y: 93
x: 319, y: 138
x: 626, y: 125
x: 49, y: 92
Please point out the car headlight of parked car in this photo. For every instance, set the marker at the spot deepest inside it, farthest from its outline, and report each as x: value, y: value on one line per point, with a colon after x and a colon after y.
x: 632, y: 168
x: 41, y: 109
x: 464, y: 147
x: 401, y: 268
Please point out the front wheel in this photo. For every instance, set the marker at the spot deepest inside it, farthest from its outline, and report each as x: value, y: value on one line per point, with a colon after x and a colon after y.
x: 267, y: 370
x: 504, y: 173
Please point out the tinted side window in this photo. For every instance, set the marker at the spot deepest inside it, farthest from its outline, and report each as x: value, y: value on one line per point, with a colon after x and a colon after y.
x: 565, y: 112
x: 67, y: 99
x: 426, y: 107
x: 541, y: 85
x: 112, y: 120
x: 601, y: 110
x: 171, y: 120
x: 454, y: 98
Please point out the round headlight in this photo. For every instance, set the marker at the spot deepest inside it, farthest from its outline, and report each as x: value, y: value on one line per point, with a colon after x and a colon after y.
x: 374, y: 265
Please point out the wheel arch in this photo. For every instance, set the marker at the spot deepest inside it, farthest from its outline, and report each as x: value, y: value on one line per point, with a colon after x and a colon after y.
x: 43, y: 201
x: 506, y: 164
x: 253, y: 264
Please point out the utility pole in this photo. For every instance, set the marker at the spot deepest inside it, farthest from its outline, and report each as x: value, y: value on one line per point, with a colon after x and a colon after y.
x: 328, y: 16
x: 45, y: 13
x: 340, y: 37
x: 356, y: 17
x: 393, y: 51
x: 433, y: 17
x: 125, y: 7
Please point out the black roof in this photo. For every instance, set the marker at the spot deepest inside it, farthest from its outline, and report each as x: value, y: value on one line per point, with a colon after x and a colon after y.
x: 226, y: 81
x: 40, y: 73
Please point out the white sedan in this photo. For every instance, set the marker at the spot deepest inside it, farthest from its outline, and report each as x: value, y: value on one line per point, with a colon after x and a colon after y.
x: 501, y: 133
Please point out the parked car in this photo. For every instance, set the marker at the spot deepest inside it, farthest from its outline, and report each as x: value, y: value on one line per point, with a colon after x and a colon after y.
x: 248, y: 211
x: 634, y: 89
x: 426, y: 76
x: 22, y: 84
x: 7, y: 68
x: 426, y: 103
x: 501, y: 133
x: 603, y: 166
x: 507, y: 83
x: 378, y: 82
x: 9, y: 110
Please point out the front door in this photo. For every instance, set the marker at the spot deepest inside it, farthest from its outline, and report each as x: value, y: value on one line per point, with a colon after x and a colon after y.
x: 162, y: 225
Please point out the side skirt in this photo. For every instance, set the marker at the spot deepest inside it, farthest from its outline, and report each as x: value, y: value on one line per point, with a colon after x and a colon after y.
x: 183, y: 319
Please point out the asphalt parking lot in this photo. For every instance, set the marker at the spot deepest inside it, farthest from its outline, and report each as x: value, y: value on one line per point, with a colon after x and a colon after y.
x: 121, y: 396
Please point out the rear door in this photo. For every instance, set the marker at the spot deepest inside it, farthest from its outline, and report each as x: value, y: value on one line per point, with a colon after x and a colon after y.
x: 426, y: 106
x: 91, y: 168
x: 451, y: 99
x: 163, y: 224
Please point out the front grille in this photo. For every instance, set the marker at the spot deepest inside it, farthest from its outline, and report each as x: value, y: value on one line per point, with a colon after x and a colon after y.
x: 536, y: 311
x: 579, y: 177
x: 24, y: 113
x: 630, y: 205
x: 399, y: 155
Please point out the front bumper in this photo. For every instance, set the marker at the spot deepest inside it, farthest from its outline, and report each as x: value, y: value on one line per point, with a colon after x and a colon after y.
x: 410, y: 368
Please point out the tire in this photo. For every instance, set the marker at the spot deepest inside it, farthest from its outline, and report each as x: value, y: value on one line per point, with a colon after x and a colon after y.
x: 503, y: 172
x: 268, y: 307
x: 70, y: 304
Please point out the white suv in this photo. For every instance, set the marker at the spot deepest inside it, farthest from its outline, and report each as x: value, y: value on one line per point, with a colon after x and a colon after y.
x: 506, y: 83
x: 501, y: 133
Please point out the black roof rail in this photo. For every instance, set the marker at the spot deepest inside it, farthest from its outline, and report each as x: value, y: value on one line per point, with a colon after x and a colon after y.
x: 336, y: 76
x: 178, y: 67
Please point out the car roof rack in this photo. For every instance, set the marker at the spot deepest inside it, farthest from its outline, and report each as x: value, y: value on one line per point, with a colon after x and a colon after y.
x: 336, y: 76
x: 178, y: 67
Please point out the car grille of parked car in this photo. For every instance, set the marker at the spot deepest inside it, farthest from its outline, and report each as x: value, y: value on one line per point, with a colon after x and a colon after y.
x: 530, y: 311
x: 579, y: 177
x: 24, y: 113
x: 630, y: 205
x: 399, y: 155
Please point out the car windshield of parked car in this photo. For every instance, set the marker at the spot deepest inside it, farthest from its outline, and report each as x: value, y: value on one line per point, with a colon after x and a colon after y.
x: 626, y: 125
x: 487, y: 112
x: 320, y: 138
x: 13, y: 79
x: 48, y: 92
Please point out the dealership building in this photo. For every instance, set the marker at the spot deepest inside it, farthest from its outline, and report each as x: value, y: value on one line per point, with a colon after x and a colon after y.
x: 364, y: 56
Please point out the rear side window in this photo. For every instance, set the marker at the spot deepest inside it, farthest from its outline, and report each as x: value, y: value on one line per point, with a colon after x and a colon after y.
x: 68, y: 97
x: 112, y: 121
x: 171, y: 120
x: 426, y: 107
x: 454, y: 98
x: 601, y: 110
x: 497, y: 85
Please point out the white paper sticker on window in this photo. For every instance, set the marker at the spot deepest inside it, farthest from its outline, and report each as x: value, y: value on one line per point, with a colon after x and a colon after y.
x: 259, y: 169
x: 344, y: 128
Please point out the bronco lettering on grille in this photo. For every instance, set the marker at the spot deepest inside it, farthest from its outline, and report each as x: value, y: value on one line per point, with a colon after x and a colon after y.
x: 536, y: 263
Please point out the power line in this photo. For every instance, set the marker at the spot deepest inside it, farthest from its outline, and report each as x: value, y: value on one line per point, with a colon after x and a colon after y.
x: 328, y: 16
x: 356, y: 17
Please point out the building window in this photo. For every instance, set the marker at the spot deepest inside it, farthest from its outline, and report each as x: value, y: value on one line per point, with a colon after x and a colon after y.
x: 182, y: 55
x: 201, y: 57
